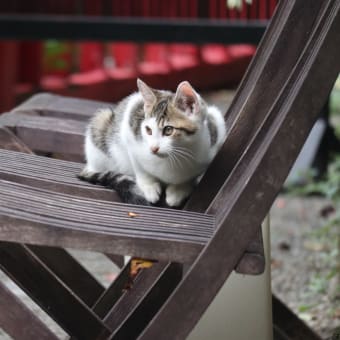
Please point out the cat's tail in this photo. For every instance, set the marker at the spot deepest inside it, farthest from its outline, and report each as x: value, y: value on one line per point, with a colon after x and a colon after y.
x: 124, y: 185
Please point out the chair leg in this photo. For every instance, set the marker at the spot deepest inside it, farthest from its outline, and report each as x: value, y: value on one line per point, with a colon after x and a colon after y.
x: 139, y: 305
x: 41, y: 284
x: 19, y: 321
x: 70, y: 271
x: 287, y: 323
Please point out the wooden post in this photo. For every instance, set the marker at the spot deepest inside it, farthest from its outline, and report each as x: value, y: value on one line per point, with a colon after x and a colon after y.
x: 8, y: 71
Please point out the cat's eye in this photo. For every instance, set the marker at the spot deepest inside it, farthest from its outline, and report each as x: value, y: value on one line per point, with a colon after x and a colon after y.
x: 168, y: 130
x: 148, y: 130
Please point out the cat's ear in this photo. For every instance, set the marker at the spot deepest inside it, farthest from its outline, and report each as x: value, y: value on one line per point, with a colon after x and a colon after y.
x: 148, y: 95
x: 186, y: 99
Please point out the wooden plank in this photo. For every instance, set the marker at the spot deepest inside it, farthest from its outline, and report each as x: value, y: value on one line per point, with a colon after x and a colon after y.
x: 45, y: 289
x: 69, y: 209
x: 55, y: 134
x: 278, y: 334
x: 111, y: 295
x: 51, y: 105
x: 70, y: 272
x: 130, y: 302
x: 286, y: 322
x: 51, y: 174
x: 135, y: 310
x: 9, y: 141
x: 132, y: 297
x: 20, y: 322
x: 8, y: 68
x: 54, y: 219
x: 258, y: 176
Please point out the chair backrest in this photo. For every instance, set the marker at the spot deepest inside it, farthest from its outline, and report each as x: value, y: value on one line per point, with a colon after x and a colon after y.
x: 247, y: 194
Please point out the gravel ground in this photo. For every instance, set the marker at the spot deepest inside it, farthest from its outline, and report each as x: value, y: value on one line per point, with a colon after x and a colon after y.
x: 302, y: 260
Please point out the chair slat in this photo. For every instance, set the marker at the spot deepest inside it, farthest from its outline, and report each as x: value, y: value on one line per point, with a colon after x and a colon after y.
x: 51, y: 105
x: 286, y: 322
x: 49, y: 292
x: 153, y: 289
x: 68, y: 270
x: 55, y: 219
x: 133, y: 296
x: 9, y: 141
x: 106, y: 301
x: 19, y: 321
x: 55, y: 134
x: 51, y: 174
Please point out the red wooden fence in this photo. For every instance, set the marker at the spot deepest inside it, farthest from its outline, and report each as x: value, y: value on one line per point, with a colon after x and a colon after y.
x: 108, y: 71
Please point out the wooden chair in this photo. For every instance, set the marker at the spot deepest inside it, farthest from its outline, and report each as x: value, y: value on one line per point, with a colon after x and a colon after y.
x: 44, y: 208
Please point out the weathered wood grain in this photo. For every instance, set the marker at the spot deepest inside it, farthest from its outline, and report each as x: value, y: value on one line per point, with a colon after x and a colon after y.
x: 54, y: 219
x: 50, y: 293
x: 288, y: 324
x: 111, y: 295
x: 20, y: 322
x: 51, y: 174
x: 51, y: 105
x: 138, y: 306
x: 70, y: 272
x: 9, y: 141
x: 55, y: 134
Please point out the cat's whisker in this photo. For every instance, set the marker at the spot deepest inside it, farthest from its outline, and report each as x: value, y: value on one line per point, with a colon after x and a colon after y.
x: 183, y: 151
x: 185, y: 155
x: 177, y: 162
x: 171, y: 160
x: 181, y: 162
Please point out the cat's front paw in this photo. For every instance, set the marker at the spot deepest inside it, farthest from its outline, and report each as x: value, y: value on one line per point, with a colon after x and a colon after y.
x: 150, y: 189
x: 175, y: 194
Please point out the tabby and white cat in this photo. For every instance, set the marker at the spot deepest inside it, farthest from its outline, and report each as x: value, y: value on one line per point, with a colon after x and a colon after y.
x: 153, y: 139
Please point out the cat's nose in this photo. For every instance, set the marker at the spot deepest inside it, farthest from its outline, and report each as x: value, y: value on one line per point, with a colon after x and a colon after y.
x: 155, y: 149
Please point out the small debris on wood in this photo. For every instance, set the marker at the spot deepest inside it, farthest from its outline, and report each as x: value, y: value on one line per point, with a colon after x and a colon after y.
x: 132, y: 214
x: 138, y: 264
